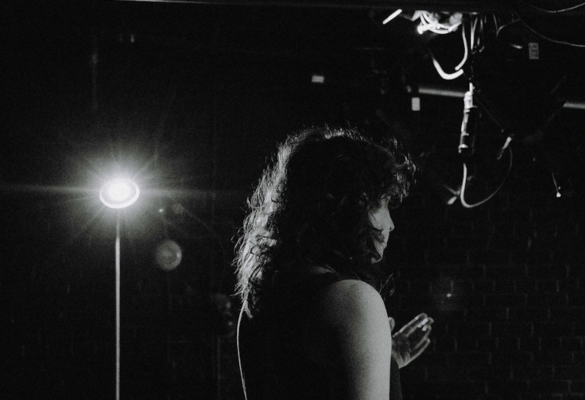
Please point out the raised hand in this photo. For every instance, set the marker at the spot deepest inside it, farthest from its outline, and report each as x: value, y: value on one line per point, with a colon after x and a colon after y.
x: 411, y: 340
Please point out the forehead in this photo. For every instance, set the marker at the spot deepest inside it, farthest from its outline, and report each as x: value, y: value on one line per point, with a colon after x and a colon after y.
x: 381, y: 204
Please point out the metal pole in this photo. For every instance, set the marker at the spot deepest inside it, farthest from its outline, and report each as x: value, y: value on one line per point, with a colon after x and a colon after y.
x: 446, y: 91
x: 118, y: 306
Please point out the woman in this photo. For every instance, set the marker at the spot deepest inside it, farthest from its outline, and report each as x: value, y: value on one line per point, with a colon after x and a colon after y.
x: 313, y: 326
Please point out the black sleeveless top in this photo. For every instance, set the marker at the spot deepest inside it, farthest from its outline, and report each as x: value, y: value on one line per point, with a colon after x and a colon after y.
x: 274, y: 364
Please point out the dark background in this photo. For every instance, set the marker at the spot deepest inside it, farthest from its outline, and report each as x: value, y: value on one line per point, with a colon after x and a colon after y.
x: 191, y: 100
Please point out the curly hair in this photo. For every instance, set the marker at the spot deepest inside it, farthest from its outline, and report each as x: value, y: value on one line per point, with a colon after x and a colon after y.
x: 311, y: 209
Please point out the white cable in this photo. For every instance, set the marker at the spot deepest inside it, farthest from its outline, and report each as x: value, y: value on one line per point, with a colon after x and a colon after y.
x: 465, y: 55
x: 464, y: 182
x: 444, y: 74
x: 424, y: 17
x: 392, y: 16
x: 429, y: 23
x: 472, y: 35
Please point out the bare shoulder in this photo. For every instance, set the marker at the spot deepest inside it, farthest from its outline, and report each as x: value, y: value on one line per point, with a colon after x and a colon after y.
x: 350, y: 334
x: 350, y: 300
x: 347, y: 311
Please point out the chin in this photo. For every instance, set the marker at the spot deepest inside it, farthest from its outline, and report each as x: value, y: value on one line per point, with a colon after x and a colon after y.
x: 377, y: 259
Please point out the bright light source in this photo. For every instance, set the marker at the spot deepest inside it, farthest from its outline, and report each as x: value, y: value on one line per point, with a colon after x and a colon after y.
x: 119, y: 193
x: 392, y: 16
x: 317, y: 78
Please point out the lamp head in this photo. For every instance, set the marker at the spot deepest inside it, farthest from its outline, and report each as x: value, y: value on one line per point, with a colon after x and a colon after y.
x: 119, y: 193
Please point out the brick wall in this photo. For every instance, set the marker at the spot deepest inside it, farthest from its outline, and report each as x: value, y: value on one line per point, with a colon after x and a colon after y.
x: 504, y: 283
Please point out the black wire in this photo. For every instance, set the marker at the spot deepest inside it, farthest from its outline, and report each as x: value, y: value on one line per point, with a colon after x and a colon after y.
x: 562, y: 10
x: 478, y: 28
x: 523, y: 20
x: 496, y: 23
x: 501, y: 28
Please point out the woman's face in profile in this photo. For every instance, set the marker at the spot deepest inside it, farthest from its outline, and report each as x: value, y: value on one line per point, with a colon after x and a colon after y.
x: 380, y: 219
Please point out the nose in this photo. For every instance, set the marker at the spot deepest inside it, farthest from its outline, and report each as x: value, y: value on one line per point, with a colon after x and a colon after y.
x: 391, y: 223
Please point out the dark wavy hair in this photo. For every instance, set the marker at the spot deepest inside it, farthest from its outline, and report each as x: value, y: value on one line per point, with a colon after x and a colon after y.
x: 311, y: 209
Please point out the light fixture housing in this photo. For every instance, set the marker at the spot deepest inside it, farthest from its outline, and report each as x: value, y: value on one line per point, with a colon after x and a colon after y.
x: 119, y: 193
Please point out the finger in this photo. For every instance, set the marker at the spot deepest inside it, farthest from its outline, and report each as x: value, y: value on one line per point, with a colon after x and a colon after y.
x: 419, y: 350
x: 425, y: 328
x: 392, y: 323
x: 426, y: 323
x: 420, y: 340
x: 419, y: 336
x: 420, y: 317
x: 412, y: 326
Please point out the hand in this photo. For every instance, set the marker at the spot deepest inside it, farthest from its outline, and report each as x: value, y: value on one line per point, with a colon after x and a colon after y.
x: 410, y: 341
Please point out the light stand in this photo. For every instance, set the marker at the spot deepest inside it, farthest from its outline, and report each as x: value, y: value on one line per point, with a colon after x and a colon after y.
x: 118, y: 194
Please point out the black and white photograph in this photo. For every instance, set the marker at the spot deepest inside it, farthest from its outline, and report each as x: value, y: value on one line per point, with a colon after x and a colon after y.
x: 292, y: 200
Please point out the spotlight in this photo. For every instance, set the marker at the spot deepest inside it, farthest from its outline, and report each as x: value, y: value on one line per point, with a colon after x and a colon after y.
x: 119, y: 193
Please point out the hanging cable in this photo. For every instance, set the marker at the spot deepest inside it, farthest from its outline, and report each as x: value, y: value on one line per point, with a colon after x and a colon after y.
x: 472, y: 34
x: 458, y: 71
x: 545, y: 37
x: 430, y: 22
x: 442, y: 73
x: 506, y: 25
x: 559, y: 11
x: 464, y: 185
x: 465, y: 49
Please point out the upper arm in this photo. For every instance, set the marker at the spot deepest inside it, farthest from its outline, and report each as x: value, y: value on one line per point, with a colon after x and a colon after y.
x: 352, y: 333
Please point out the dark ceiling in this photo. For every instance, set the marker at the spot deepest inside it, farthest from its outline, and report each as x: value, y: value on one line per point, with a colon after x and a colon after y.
x: 68, y: 69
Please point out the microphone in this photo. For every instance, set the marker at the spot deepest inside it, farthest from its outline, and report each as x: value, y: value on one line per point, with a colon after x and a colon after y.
x: 469, y: 124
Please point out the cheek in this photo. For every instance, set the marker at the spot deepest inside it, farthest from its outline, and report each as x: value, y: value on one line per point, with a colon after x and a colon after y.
x: 387, y: 227
x: 381, y: 220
